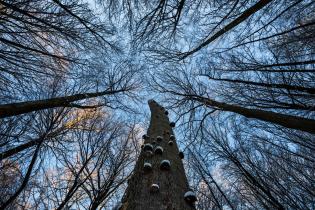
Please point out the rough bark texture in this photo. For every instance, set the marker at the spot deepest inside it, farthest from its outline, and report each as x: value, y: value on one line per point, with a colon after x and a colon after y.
x: 173, y: 183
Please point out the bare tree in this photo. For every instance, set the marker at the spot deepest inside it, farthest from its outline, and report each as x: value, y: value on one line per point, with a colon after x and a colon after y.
x: 92, y: 153
x: 123, y: 84
x: 238, y: 74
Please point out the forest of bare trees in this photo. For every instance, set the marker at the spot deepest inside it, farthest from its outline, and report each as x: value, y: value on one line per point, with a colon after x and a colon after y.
x: 237, y: 77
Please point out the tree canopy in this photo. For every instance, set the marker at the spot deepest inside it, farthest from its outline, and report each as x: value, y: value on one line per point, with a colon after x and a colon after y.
x: 237, y: 76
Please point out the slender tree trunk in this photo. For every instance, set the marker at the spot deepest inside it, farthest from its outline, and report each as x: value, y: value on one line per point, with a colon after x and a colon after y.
x: 258, y: 184
x: 261, y: 84
x: 246, y: 14
x: 288, y: 121
x: 77, y: 183
x: 18, y: 149
x: 172, y: 183
x: 8, y: 110
x: 204, y: 172
x: 25, y: 180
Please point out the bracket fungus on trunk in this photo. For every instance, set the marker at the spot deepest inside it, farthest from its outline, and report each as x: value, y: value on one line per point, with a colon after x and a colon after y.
x: 165, y: 165
x: 159, y: 138
x: 190, y: 197
x: 181, y: 155
x: 148, y: 147
x: 166, y: 112
x: 172, y: 124
x: 158, y: 150
x: 159, y: 180
x: 154, y: 188
x: 147, y: 167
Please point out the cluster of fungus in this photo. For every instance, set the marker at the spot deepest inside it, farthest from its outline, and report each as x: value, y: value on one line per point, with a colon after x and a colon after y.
x: 158, y: 150
x: 172, y: 124
x: 148, y: 150
x: 154, y: 188
x: 181, y: 155
x: 148, y: 147
x: 159, y: 138
x: 190, y: 197
x: 165, y: 165
x: 147, y: 167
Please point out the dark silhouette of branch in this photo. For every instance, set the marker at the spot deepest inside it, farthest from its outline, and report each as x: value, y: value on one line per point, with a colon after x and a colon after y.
x: 246, y: 14
x: 8, y: 110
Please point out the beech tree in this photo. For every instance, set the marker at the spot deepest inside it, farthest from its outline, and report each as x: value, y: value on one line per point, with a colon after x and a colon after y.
x: 122, y: 84
x: 248, y: 169
x: 59, y: 72
x: 249, y: 67
x: 87, y: 151
x: 55, y: 40
x: 41, y: 37
x: 236, y: 76
x: 158, y: 179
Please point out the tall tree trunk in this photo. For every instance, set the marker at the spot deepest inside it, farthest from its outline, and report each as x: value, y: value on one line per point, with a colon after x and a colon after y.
x: 8, y: 110
x: 288, y: 121
x: 18, y: 149
x: 267, y: 85
x: 172, y: 183
x: 25, y: 180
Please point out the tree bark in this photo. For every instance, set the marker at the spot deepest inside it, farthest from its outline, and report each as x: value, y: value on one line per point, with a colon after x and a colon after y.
x: 18, y: 149
x: 8, y: 110
x: 267, y: 85
x: 173, y: 183
x: 288, y: 121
